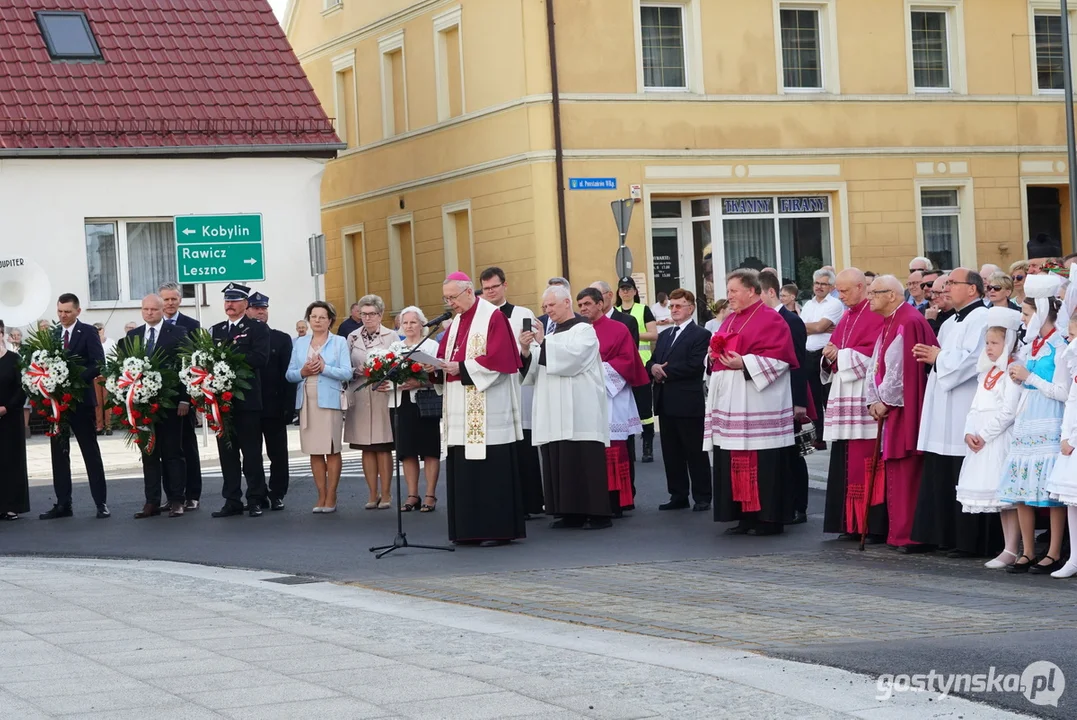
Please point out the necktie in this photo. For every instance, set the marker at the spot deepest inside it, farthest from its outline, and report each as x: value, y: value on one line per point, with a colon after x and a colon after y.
x: 171, y: 321
x: 673, y: 337
x: 67, y: 339
x: 551, y: 328
x: 152, y: 341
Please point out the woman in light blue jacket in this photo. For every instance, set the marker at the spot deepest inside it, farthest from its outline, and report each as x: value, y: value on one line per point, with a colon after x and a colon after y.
x: 320, y: 364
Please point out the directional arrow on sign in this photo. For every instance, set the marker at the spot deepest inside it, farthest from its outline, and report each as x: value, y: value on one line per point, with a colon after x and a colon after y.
x: 188, y: 231
x: 249, y: 261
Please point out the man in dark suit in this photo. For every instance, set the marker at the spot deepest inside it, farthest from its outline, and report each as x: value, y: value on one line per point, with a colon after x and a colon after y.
x: 352, y: 323
x: 278, y: 403
x: 250, y: 338
x: 677, y: 366
x: 798, y: 382
x: 172, y: 295
x: 84, y: 344
x: 165, y: 465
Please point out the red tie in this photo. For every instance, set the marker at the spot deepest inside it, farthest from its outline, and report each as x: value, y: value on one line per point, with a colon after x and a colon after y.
x: 67, y: 339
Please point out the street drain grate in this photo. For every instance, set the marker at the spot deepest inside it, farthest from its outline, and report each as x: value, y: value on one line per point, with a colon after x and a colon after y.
x: 293, y: 580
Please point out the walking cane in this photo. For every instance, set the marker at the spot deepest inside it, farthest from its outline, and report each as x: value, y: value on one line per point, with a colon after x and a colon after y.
x: 871, y: 480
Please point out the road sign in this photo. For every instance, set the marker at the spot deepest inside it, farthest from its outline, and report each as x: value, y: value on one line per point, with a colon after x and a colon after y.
x: 622, y: 215
x: 623, y: 262
x: 219, y: 248
x: 592, y: 183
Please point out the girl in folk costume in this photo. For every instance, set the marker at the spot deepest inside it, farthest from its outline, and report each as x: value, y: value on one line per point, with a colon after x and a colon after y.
x: 1036, y: 444
x: 1062, y: 485
x: 989, y: 431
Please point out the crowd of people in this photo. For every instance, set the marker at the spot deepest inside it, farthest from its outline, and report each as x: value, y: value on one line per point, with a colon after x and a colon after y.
x: 947, y: 402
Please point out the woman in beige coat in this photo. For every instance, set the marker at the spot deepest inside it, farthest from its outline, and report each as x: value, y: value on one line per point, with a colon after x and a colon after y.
x: 366, y: 425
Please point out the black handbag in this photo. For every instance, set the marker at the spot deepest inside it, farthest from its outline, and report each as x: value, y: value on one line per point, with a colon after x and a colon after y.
x: 429, y: 403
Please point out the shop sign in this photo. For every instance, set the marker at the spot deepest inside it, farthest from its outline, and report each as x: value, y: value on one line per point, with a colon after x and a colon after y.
x: 803, y: 204
x: 748, y: 206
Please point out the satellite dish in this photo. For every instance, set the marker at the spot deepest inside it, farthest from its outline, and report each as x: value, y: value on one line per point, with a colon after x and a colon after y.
x: 24, y: 291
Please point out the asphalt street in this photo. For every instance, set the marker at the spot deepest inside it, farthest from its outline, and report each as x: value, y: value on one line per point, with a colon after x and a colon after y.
x: 801, y: 595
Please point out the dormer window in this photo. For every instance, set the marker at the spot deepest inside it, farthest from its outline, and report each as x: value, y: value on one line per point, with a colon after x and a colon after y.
x: 68, y: 36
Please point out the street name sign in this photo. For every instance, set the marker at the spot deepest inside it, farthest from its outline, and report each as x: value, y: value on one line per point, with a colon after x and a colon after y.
x: 219, y: 248
x: 592, y: 183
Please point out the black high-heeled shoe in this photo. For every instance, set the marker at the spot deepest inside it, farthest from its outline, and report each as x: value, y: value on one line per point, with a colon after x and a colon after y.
x: 427, y: 507
x: 409, y: 505
x: 1019, y: 567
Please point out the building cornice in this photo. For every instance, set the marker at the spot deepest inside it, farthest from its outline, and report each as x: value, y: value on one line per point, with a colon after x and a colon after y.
x: 375, y: 28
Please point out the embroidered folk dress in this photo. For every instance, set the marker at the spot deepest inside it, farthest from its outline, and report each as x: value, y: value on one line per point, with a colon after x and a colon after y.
x: 1062, y: 484
x: 994, y: 408
x: 1037, y: 430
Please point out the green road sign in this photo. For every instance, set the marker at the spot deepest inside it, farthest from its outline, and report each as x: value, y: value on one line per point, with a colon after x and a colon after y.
x: 219, y: 248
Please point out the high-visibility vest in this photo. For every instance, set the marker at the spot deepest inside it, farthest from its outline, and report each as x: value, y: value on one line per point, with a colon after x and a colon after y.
x: 644, y: 347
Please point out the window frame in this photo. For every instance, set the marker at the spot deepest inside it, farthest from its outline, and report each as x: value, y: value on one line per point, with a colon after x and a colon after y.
x: 387, y: 46
x: 123, y: 268
x: 54, y: 55
x: 955, y: 45
x: 829, y: 73
x: 1044, y: 7
x: 344, y: 123
x: 692, y: 41
x: 443, y: 23
x: 450, y: 240
x: 966, y: 216
x: 348, y: 261
x: 397, y: 301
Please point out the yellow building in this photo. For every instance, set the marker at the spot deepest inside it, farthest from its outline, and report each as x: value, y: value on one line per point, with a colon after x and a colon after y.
x: 789, y: 134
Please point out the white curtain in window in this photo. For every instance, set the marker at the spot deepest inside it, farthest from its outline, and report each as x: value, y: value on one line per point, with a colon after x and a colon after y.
x: 102, y: 262
x: 941, y: 241
x: 749, y: 242
x: 151, y: 257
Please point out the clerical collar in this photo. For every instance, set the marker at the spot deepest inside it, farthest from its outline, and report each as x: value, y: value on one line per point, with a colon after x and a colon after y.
x: 507, y: 308
x: 967, y: 310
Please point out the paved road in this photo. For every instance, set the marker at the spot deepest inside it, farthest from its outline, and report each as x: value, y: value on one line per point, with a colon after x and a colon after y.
x: 669, y: 575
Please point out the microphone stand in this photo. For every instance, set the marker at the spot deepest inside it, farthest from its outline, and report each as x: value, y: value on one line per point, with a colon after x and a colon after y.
x: 401, y: 539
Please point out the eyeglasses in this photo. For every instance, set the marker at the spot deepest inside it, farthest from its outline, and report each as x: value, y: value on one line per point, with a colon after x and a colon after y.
x: 369, y: 314
x: 492, y: 287
x: 452, y: 298
x: 926, y: 286
x: 993, y: 288
x: 679, y: 306
x: 1018, y: 278
x: 951, y: 283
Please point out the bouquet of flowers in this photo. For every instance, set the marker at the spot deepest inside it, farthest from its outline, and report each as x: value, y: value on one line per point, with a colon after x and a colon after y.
x: 51, y: 378
x: 382, y: 365
x: 140, y: 388
x: 215, y: 376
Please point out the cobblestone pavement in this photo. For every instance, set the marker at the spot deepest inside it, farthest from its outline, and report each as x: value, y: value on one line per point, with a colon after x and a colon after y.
x: 772, y: 602
x: 126, y: 640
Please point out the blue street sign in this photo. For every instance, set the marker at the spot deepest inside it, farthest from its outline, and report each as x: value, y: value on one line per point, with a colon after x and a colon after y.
x: 592, y: 183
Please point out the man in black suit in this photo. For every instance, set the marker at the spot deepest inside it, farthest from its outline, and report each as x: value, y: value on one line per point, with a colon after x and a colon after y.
x: 278, y: 403
x: 84, y: 344
x: 172, y: 295
x: 798, y: 382
x: 165, y: 465
x: 680, y: 401
x: 250, y: 338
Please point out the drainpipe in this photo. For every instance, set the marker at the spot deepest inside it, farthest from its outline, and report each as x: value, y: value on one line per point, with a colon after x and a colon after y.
x: 559, y: 150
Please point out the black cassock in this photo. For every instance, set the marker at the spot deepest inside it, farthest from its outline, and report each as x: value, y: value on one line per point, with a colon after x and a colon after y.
x: 14, y: 483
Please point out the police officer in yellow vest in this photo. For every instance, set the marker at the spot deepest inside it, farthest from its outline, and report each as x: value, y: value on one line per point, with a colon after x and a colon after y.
x: 629, y: 304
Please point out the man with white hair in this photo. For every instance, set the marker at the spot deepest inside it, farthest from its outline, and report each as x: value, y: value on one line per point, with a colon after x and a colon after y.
x: 820, y: 315
x: 480, y: 358
x: 920, y: 263
x: 571, y: 417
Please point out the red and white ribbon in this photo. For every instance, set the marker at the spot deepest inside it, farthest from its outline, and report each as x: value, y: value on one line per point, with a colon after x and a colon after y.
x: 39, y: 375
x: 132, y: 381
x: 203, y: 378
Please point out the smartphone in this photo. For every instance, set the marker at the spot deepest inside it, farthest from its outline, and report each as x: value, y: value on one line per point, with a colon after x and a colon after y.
x: 527, y: 324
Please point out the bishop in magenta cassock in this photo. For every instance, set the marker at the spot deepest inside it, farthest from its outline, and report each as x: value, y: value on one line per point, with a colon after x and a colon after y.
x: 480, y: 359
x: 750, y: 421
x: 850, y: 429
x: 623, y: 370
x: 894, y: 391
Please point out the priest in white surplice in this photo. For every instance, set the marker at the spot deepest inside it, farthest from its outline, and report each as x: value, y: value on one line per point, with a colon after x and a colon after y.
x: 494, y: 288
x: 480, y: 358
x: 570, y: 419
x: 951, y: 387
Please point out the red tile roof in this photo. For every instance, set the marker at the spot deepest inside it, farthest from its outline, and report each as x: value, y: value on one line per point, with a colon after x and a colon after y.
x: 178, y: 76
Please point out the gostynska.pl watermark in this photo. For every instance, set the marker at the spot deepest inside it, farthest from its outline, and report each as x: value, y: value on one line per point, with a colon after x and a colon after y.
x: 1042, y: 683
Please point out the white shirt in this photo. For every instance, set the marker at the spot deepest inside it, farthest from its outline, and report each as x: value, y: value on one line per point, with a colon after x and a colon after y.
x: 156, y: 333
x: 680, y: 330
x: 661, y: 313
x: 813, y: 311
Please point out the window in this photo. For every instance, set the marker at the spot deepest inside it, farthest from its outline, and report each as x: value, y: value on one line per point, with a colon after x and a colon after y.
x: 662, y: 41
x: 801, y: 51
x: 941, y: 217
x: 403, y: 274
x: 356, y: 284
x: 68, y: 36
x: 449, y: 64
x: 129, y: 259
x: 930, y: 50
x: 456, y: 231
x: 394, y: 85
x: 344, y: 98
x: 1048, y: 30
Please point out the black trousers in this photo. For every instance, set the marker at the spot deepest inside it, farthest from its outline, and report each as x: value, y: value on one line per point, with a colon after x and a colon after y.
x: 246, y: 443
x: 819, y: 391
x: 165, y: 465
x: 191, y: 459
x: 683, y: 457
x: 275, y: 433
x: 84, y: 428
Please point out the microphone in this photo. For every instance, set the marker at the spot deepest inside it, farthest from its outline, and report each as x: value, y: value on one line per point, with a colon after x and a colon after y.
x: 439, y: 319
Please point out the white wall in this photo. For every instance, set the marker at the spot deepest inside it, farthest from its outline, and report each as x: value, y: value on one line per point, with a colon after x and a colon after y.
x: 45, y: 202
